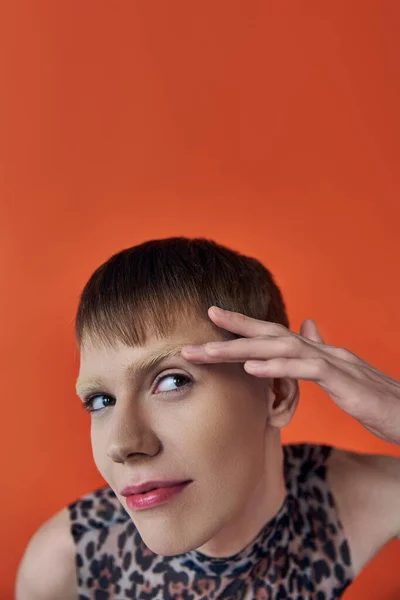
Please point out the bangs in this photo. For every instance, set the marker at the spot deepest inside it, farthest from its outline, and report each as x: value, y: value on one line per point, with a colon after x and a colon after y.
x: 133, y: 322
x: 145, y: 290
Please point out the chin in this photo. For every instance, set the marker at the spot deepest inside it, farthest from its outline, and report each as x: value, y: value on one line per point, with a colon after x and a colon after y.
x: 167, y: 544
x: 167, y: 547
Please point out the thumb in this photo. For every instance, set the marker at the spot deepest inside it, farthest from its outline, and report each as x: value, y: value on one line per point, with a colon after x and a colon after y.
x: 309, y: 330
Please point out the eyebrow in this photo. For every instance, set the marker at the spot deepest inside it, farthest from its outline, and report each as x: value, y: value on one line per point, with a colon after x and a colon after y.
x: 141, y: 366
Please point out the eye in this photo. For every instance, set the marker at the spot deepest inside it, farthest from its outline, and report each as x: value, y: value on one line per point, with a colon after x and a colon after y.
x: 173, y: 382
x: 95, y: 403
x: 164, y: 383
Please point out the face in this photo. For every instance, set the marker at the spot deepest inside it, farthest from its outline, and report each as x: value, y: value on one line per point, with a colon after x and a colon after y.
x: 181, y: 421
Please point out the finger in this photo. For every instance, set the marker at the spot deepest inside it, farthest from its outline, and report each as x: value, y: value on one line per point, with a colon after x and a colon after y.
x: 261, y: 348
x: 241, y: 350
x: 264, y: 348
x: 197, y: 354
x: 339, y: 380
x: 244, y: 349
x: 344, y: 384
x: 314, y: 369
x: 244, y: 325
x: 309, y: 330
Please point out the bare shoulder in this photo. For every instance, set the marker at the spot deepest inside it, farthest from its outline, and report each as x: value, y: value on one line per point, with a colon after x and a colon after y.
x: 366, y: 489
x: 47, y: 568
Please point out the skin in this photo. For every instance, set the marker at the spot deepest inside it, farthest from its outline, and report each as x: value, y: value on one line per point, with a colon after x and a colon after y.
x: 366, y: 487
x: 271, y: 350
x: 222, y: 431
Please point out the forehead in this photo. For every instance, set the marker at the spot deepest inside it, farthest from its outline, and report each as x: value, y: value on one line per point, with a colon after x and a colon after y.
x: 99, y: 360
x: 183, y: 331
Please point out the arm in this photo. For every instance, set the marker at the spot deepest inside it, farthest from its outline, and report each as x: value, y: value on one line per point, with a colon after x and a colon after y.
x: 366, y: 490
x: 47, y: 569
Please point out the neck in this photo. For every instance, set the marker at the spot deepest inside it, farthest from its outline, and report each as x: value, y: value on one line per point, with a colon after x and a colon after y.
x: 262, y: 505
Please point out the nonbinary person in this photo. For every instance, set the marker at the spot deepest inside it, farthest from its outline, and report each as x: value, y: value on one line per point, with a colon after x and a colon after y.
x: 187, y: 402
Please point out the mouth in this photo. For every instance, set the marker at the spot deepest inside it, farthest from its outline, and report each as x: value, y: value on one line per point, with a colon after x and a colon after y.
x: 149, y: 486
x: 155, y: 497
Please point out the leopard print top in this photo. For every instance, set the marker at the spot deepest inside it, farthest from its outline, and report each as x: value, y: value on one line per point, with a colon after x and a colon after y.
x: 302, y: 553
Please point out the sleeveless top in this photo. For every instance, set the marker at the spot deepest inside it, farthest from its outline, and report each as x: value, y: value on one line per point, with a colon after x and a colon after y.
x: 301, y: 553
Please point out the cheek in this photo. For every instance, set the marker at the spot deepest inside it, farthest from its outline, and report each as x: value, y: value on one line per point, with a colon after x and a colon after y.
x: 227, y: 436
x: 97, y: 438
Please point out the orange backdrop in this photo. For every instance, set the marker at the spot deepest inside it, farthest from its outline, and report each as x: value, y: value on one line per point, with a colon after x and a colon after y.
x: 272, y: 127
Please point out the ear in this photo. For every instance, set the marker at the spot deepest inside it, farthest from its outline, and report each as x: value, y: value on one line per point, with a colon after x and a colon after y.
x: 283, y: 400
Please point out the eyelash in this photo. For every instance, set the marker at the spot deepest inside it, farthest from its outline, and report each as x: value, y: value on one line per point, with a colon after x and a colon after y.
x: 88, y: 402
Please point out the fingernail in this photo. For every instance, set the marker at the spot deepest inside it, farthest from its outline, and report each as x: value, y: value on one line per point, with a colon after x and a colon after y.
x: 214, y: 345
x: 219, y: 310
x: 255, y: 365
x: 192, y: 349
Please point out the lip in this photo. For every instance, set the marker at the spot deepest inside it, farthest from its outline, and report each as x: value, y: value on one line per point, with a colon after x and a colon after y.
x: 132, y: 490
x: 155, y: 497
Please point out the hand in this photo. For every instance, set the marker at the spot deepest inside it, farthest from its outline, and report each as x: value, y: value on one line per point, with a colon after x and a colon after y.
x: 271, y: 350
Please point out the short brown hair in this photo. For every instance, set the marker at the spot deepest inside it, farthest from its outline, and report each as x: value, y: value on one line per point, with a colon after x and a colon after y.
x: 145, y: 288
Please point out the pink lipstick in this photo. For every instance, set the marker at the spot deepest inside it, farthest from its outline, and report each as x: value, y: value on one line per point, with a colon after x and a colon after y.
x: 153, y: 497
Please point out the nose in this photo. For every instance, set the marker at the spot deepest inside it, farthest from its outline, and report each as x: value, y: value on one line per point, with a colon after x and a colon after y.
x: 130, y: 434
